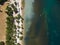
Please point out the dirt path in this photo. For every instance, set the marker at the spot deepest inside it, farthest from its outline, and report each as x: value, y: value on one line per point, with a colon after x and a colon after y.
x: 3, y: 16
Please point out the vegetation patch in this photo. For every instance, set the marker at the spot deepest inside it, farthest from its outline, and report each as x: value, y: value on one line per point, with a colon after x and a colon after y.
x: 2, y: 43
x: 21, y: 38
x: 9, y: 31
x: 9, y: 11
x: 14, y: 8
x: 2, y: 2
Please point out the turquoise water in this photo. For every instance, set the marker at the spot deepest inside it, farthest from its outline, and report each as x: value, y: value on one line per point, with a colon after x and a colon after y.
x: 44, y: 29
x: 53, y: 8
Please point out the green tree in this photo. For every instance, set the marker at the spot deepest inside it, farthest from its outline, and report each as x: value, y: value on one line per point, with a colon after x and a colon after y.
x: 2, y: 1
x: 18, y: 21
x: 9, y: 11
x: 21, y: 38
x: 14, y: 8
x: 2, y: 43
x: 18, y: 44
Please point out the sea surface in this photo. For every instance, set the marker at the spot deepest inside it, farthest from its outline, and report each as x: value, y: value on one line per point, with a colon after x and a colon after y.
x: 42, y: 22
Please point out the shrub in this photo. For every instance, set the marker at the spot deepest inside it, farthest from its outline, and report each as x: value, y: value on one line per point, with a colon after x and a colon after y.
x: 18, y: 21
x: 14, y: 8
x: 15, y: 3
x: 18, y: 44
x: 2, y: 43
x: 18, y: 26
x: 9, y: 11
x: 22, y: 27
x: 21, y: 33
x: 22, y: 21
x: 18, y: 36
x: 19, y: 16
x: 2, y: 1
x: 9, y: 31
x: 21, y: 37
x: 14, y: 26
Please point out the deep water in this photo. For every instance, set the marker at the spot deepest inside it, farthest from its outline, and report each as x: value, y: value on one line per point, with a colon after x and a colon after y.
x: 42, y: 22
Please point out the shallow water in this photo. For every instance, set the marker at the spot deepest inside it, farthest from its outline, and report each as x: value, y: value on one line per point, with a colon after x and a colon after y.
x: 28, y: 13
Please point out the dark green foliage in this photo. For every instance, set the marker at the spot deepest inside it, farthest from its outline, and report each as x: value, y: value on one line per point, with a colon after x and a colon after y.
x: 10, y: 18
x: 15, y: 3
x: 21, y: 38
x: 22, y: 27
x: 19, y: 16
x: 21, y: 32
x: 9, y: 31
x: 14, y: 26
x: 9, y: 43
x: 2, y: 43
x: 22, y: 21
x: 18, y: 21
x: 18, y: 36
x: 9, y: 11
x: 18, y: 44
x: 14, y: 8
x: 22, y: 18
x: 18, y: 26
x: 2, y: 1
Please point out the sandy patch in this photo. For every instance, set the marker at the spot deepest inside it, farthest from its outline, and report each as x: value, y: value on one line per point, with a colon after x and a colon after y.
x: 3, y: 16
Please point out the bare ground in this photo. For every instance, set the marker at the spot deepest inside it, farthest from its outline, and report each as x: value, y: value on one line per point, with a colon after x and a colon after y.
x: 3, y: 16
